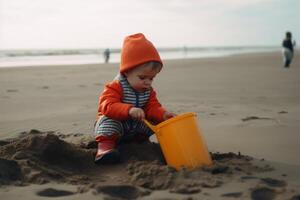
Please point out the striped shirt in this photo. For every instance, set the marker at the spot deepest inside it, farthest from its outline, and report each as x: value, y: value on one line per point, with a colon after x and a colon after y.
x: 138, y: 99
x: 106, y: 126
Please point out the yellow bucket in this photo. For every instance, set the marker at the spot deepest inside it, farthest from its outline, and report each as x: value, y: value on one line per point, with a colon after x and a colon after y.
x: 181, y: 142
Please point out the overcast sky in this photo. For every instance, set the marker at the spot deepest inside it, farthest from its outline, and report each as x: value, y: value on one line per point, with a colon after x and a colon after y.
x: 101, y: 24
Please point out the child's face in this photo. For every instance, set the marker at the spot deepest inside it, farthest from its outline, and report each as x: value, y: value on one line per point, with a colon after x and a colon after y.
x: 141, y: 77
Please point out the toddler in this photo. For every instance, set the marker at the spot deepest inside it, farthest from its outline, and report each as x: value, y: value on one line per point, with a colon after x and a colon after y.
x: 129, y: 99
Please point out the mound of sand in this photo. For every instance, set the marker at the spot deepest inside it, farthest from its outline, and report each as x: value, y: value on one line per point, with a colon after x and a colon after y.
x: 41, y: 157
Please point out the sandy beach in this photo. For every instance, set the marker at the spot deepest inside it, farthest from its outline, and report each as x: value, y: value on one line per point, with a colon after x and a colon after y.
x: 247, y: 104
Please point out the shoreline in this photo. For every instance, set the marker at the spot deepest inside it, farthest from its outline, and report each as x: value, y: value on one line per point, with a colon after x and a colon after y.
x: 99, y: 60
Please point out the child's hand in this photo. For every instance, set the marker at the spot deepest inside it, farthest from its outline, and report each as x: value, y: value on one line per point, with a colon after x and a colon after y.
x: 168, y: 115
x: 137, y: 113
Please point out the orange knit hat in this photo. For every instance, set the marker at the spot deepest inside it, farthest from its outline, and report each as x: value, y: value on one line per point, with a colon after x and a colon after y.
x: 137, y: 50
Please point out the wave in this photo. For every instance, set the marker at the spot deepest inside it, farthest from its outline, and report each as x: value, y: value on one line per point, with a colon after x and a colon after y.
x: 17, y: 58
x: 55, y: 52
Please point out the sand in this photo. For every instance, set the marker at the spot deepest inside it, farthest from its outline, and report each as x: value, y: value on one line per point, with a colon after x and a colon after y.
x: 246, y: 104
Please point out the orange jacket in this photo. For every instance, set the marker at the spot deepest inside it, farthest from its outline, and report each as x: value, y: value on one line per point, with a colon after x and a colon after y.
x: 111, y: 105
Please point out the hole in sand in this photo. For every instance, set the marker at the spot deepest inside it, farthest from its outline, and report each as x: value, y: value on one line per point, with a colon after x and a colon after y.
x: 263, y: 194
x: 12, y: 90
x: 50, y: 192
x: 273, y: 182
x: 233, y: 194
x: 45, y: 87
x: 256, y: 118
x: 121, y: 191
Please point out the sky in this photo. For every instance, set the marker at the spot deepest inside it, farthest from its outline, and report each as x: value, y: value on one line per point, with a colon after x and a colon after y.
x: 44, y: 24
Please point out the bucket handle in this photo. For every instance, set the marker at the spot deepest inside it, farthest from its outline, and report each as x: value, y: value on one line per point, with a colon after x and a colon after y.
x: 152, y: 127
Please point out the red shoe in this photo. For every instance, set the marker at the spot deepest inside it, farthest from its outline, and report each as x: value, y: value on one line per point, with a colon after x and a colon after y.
x: 107, y: 153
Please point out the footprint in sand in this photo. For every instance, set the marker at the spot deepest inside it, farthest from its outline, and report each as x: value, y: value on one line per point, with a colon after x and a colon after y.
x: 12, y: 90
x: 50, y: 192
x: 122, y: 191
x: 45, y: 87
x: 283, y: 112
x: 273, y: 182
x: 263, y: 193
x: 256, y: 118
x: 233, y: 194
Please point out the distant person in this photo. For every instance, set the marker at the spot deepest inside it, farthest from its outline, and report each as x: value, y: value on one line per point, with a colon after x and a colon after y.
x: 106, y: 55
x: 129, y: 99
x: 185, y: 51
x: 288, y: 49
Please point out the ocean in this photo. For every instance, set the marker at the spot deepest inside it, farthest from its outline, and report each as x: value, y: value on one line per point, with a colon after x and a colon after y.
x: 18, y: 58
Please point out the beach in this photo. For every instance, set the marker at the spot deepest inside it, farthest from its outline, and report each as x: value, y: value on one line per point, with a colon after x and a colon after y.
x: 247, y: 104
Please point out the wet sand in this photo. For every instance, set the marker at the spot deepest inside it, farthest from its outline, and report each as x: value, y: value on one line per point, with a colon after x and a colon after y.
x: 245, y: 103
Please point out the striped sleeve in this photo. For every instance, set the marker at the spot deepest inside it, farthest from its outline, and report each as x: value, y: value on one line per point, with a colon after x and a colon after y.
x: 110, y: 102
